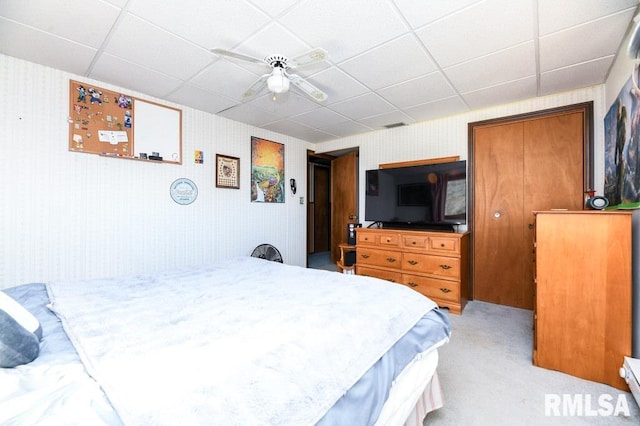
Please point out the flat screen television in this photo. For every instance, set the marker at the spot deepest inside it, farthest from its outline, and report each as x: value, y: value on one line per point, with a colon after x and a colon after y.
x: 432, y: 196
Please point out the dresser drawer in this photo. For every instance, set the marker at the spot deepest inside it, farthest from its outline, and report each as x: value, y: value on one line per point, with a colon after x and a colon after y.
x: 366, y: 238
x: 392, y: 276
x: 389, y: 240
x: 432, y: 287
x: 415, y: 241
x: 385, y: 258
x: 429, y: 264
x: 446, y: 244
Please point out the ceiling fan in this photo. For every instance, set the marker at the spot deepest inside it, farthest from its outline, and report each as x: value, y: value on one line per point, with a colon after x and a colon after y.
x: 279, y: 79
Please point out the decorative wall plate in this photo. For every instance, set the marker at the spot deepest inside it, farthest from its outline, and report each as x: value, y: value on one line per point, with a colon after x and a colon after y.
x: 183, y: 191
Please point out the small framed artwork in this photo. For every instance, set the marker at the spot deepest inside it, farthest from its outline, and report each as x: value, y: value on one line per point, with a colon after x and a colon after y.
x: 227, y: 172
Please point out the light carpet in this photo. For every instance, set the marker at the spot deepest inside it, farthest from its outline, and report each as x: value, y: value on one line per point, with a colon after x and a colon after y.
x: 488, y: 378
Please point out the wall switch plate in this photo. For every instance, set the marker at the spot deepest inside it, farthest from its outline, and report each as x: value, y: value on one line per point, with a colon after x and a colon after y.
x: 301, y: 200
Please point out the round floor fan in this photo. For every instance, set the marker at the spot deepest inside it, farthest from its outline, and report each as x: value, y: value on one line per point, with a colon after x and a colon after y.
x: 268, y: 252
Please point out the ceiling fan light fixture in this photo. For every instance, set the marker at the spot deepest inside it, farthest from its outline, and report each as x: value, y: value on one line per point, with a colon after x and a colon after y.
x: 277, y: 81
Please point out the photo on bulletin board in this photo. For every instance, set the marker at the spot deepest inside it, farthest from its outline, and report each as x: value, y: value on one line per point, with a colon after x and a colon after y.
x: 267, y: 171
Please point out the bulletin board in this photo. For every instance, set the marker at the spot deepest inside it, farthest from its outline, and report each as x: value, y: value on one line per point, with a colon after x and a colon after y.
x: 114, y: 124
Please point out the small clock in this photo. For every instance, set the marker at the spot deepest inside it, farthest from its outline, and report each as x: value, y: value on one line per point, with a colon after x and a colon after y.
x: 597, y: 202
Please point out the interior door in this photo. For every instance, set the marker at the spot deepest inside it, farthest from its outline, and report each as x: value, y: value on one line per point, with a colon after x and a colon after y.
x: 498, y: 220
x: 343, y: 199
x: 321, y: 224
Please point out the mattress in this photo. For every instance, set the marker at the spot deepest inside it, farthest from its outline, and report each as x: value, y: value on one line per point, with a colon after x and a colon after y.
x: 57, y: 384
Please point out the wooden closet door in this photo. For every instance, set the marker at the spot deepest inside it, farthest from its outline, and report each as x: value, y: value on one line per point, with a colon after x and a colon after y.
x: 521, y: 166
x: 553, y: 175
x: 498, y: 219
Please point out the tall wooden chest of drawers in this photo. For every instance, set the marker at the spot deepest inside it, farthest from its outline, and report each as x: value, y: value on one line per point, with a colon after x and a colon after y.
x: 582, y: 311
x: 432, y: 263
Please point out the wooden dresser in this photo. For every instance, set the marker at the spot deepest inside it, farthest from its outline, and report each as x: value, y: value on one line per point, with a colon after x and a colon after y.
x: 582, y: 309
x: 432, y: 263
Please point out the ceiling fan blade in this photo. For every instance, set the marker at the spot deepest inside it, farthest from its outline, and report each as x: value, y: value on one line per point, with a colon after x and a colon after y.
x: 256, y: 87
x: 235, y: 55
x: 314, y: 55
x: 308, y: 88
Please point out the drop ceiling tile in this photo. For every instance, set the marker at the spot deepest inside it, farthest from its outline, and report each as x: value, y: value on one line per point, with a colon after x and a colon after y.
x: 401, y: 59
x: 463, y: 36
x: 319, y: 118
x: 297, y: 130
x: 367, y: 105
x: 346, y: 128
x: 337, y: 84
x: 557, y: 15
x: 274, y: 8
x: 418, y: 91
x: 109, y: 68
x: 437, y: 109
x: 419, y: 14
x: 249, y: 114
x: 512, y: 91
x: 506, y: 65
x: 364, y: 23
x: 589, y: 41
x: 54, y: 17
x: 59, y: 53
x: 209, y: 24
x: 201, y: 99
x: 574, y: 77
x: 141, y: 43
x: 226, y: 78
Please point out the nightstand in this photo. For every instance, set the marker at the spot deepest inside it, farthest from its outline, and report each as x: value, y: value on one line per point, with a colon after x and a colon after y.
x: 347, y: 262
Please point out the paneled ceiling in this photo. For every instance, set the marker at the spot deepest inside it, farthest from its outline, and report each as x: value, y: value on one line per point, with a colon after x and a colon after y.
x: 389, y: 61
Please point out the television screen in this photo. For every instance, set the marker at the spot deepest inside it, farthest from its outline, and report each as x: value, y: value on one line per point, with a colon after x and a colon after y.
x: 426, y: 196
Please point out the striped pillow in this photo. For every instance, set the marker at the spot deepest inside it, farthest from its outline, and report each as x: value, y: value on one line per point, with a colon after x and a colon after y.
x: 20, y: 333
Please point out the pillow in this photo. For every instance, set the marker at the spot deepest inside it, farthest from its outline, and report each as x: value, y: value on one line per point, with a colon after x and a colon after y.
x: 20, y: 333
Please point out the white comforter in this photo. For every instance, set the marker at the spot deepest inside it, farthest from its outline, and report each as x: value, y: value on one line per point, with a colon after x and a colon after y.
x: 240, y: 342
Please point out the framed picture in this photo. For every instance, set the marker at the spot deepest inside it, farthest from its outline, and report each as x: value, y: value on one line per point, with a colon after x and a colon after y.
x: 227, y: 171
x: 267, y: 171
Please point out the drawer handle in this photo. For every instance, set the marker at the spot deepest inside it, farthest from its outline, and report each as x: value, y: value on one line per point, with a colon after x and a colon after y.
x: 445, y: 266
x: 412, y: 284
x: 388, y: 240
x: 365, y: 256
x: 445, y: 290
x: 393, y: 281
x: 413, y: 242
x: 413, y: 262
x: 390, y: 259
x: 441, y: 244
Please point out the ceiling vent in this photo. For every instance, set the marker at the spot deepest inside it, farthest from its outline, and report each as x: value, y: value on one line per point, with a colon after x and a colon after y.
x: 391, y: 126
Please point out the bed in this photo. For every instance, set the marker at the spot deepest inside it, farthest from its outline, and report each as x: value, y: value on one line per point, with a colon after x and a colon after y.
x: 237, y: 342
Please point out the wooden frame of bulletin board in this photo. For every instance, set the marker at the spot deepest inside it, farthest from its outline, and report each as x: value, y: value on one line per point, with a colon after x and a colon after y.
x: 114, y: 124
